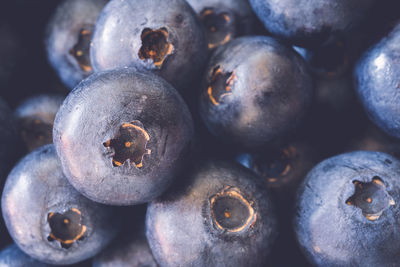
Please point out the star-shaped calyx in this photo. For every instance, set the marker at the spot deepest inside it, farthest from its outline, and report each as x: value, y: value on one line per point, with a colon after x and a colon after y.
x: 66, y: 227
x: 372, y: 198
x: 129, y: 143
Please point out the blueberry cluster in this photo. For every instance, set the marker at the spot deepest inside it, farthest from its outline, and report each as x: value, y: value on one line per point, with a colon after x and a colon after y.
x: 200, y: 133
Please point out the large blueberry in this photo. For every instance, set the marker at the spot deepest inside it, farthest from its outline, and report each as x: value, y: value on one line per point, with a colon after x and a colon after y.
x: 311, y: 22
x: 255, y: 91
x: 377, y: 80
x: 12, y: 256
x: 222, y: 217
x: 348, y: 213
x: 225, y: 19
x: 165, y: 37
x: 35, y: 117
x: 47, y: 218
x: 68, y: 38
x: 122, y: 136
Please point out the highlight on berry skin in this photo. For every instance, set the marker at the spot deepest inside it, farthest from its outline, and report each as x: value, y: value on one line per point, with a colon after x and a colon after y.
x: 129, y: 144
x: 371, y: 197
x: 155, y: 46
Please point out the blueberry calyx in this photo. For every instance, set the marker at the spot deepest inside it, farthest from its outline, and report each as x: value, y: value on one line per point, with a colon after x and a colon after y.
x: 35, y: 129
x: 81, y: 50
x: 231, y: 211
x: 66, y: 227
x: 219, y: 26
x: 276, y: 168
x: 220, y: 85
x: 155, y: 46
x: 372, y: 198
x: 129, y: 144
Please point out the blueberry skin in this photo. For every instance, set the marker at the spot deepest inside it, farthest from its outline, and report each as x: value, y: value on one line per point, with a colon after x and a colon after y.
x: 225, y: 20
x: 36, y: 193
x: 311, y: 23
x: 117, y: 40
x: 128, y: 251
x: 255, y: 91
x: 12, y: 256
x: 35, y: 117
x: 182, y: 228
x: 96, y: 112
x: 332, y: 226
x: 377, y: 83
x: 64, y: 34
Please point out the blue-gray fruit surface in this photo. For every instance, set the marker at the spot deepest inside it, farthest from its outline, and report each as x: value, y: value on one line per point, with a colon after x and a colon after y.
x: 123, y: 136
x: 218, y: 216
x: 47, y: 218
x: 256, y: 90
x: 347, y: 211
x: 377, y: 81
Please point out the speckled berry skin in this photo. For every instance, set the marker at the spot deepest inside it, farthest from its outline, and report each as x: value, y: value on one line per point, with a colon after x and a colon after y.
x: 12, y: 256
x: 35, y: 117
x: 333, y: 221
x: 311, y: 22
x: 93, y: 116
x: 35, y: 190
x: 182, y: 230
x: 240, y: 19
x: 255, y: 91
x: 63, y: 33
x: 377, y: 83
x: 117, y: 40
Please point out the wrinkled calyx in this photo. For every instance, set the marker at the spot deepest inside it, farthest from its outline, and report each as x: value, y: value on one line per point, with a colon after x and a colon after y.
x: 220, y: 85
x: 155, y: 46
x: 231, y: 211
x: 81, y: 50
x: 277, y: 165
x: 220, y: 26
x: 372, y: 198
x: 129, y: 144
x: 66, y: 227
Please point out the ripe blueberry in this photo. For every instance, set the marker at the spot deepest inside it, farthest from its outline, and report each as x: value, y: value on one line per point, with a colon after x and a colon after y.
x: 254, y: 92
x: 122, y: 136
x: 47, y: 218
x: 223, y: 217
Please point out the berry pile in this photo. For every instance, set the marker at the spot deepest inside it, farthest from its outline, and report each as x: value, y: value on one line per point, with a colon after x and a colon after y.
x: 222, y: 133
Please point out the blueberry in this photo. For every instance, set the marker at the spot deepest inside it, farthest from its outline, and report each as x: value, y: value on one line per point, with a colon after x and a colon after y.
x: 122, y: 136
x: 36, y: 117
x: 222, y: 217
x: 47, y: 218
x: 68, y: 38
x: 347, y: 211
x: 12, y: 256
x: 255, y: 91
x: 225, y: 20
x: 164, y: 37
x: 377, y: 83
x: 311, y: 23
x: 281, y: 168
